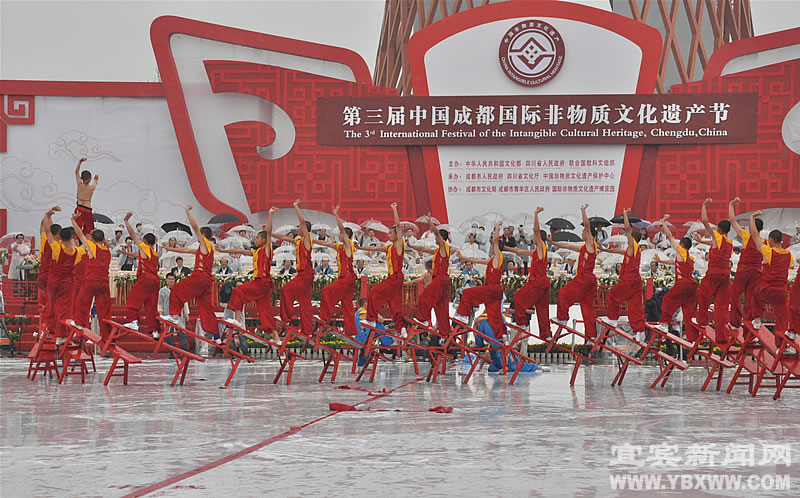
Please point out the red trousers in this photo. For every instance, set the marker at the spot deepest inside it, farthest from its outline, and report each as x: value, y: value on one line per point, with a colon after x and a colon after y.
x: 46, y: 309
x: 299, y: 289
x: 436, y: 297
x: 491, y: 296
x: 96, y: 290
x: 59, y: 299
x: 197, y: 286
x: 778, y: 297
x: 341, y: 291
x: 260, y: 292
x: 85, y: 220
x: 581, y: 289
x: 142, y: 304
x: 389, y: 291
x: 716, y: 287
x: 794, y: 306
x: 77, y: 285
x: 682, y: 295
x: 629, y: 292
x: 745, y: 282
x: 532, y: 295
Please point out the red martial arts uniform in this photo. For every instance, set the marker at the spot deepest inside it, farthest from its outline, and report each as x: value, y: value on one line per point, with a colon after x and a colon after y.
x: 341, y: 290
x: 85, y: 219
x: 436, y: 296
x: 95, y: 288
x: 773, y: 288
x: 78, y: 278
x: 581, y: 289
x: 748, y: 273
x: 45, y: 262
x: 794, y: 306
x: 716, y: 285
x: 535, y: 293
x: 198, y: 286
x: 683, y: 293
x: 390, y: 290
x: 142, y: 303
x: 59, y: 286
x: 629, y: 290
x: 299, y: 288
x: 259, y: 289
x: 490, y: 294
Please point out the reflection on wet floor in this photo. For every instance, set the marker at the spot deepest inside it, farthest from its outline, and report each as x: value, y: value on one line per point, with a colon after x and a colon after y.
x: 536, y: 438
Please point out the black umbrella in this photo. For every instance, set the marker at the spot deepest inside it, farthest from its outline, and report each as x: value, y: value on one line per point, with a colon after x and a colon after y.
x: 631, y: 217
x: 566, y: 237
x: 223, y: 218
x: 101, y: 218
x: 599, y: 221
x: 560, y: 223
x: 175, y: 225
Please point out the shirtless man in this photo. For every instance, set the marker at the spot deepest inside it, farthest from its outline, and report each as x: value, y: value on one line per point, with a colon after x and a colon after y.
x: 85, y: 192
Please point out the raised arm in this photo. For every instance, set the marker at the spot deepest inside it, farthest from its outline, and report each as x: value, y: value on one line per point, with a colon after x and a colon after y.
x: 628, y: 231
x: 753, y: 232
x: 129, y: 253
x: 564, y: 245
x: 706, y: 223
x: 340, y: 224
x: 399, y: 248
x: 612, y: 250
x: 302, y: 225
x: 79, y: 233
x: 537, y: 233
x: 668, y: 233
x: 130, y: 229
x: 496, y: 244
x: 732, y: 217
x: 440, y: 242
x: 475, y: 261
x: 697, y: 238
x: 78, y: 170
x: 196, y: 230
x: 47, y: 220
x: 325, y: 243
x: 182, y: 250
x: 282, y: 237
x: 521, y: 252
x: 232, y: 250
x: 587, y: 230
x: 371, y: 248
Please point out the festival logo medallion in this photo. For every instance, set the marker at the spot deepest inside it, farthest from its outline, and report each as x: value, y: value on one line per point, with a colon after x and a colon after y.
x: 531, y: 53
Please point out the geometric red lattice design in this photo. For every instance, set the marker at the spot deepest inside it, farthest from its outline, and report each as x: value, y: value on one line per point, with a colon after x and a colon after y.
x: 765, y: 174
x: 15, y: 109
x: 363, y: 180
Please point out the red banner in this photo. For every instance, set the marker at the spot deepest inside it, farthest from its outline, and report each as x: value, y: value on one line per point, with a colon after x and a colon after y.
x: 539, y: 119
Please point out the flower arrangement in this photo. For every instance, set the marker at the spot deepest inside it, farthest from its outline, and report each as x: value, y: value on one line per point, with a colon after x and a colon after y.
x: 29, y: 262
x: 3, y: 255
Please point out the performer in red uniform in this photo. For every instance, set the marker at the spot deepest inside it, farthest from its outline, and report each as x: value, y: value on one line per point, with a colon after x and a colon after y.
x: 200, y: 284
x: 258, y: 290
x: 78, y: 276
x: 717, y: 282
x: 299, y: 288
x: 342, y: 289
x: 683, y: 293
x: 95, y: 286
x: 436, y: 295
x: 50, y: 232
x: 85, y: 193
x: 536, y: 292
x: 774, y: 286
x: 491, y: 293
x: 583, y: 287
x: 142, y: 303
x: 59, y: 287
x: 748, y: 271
x: 629, y: 287
x: 794, y: 309
x: 390, y: 290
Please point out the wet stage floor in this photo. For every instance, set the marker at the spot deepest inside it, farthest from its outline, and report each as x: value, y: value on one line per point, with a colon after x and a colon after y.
x: 536, y: 438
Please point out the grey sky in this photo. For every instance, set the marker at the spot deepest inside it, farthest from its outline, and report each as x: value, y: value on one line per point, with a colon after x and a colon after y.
x: 109, y: 40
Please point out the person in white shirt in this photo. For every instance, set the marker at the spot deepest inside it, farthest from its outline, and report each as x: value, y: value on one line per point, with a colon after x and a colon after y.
x: 361, y: 269
x: 163, y: 309
x: 235, y: 262
x: 18, y: 250
x: 369, y: 239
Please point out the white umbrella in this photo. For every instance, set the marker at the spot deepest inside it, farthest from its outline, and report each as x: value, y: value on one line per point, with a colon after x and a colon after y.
x: 405, y: 225
x: 795, y: 250
x: 286, y: 249
x: 179, y: 235
x: 238, y: 228
x: 352, y: 226
x: 568, y: 254
x: 507, y: 255
x: 284, y: 229
x: 150, y: 228
x: 361, y: 256
x: 616, y: 239
x: 319, y: 226
x: 613, y: 259
x: 424, y: 219
x: 475, y: 253
x: 656, y: 225
x: 376, y: 225
x: 554, y: 256
x: 281, y: 257
x: 522, y: 219
x: 318, y: 257
x: 650, y: 254
x: 695, y: 226
x: 235, y: 241
x: 473, y: 220
x: 492, y: 217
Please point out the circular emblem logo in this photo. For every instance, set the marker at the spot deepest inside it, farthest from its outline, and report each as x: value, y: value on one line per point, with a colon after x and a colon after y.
x: 532, y: 52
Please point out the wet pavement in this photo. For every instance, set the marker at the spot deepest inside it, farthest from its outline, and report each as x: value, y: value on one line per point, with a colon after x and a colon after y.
x: 537, y: 438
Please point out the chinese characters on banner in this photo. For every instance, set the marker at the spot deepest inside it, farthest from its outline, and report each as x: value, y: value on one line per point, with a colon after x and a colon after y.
x: 541, y: 119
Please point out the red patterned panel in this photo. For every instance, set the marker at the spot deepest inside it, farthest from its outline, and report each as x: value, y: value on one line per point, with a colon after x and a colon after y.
x: 15, y: 109
x: 765, y: 174
x: 363, y: 180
